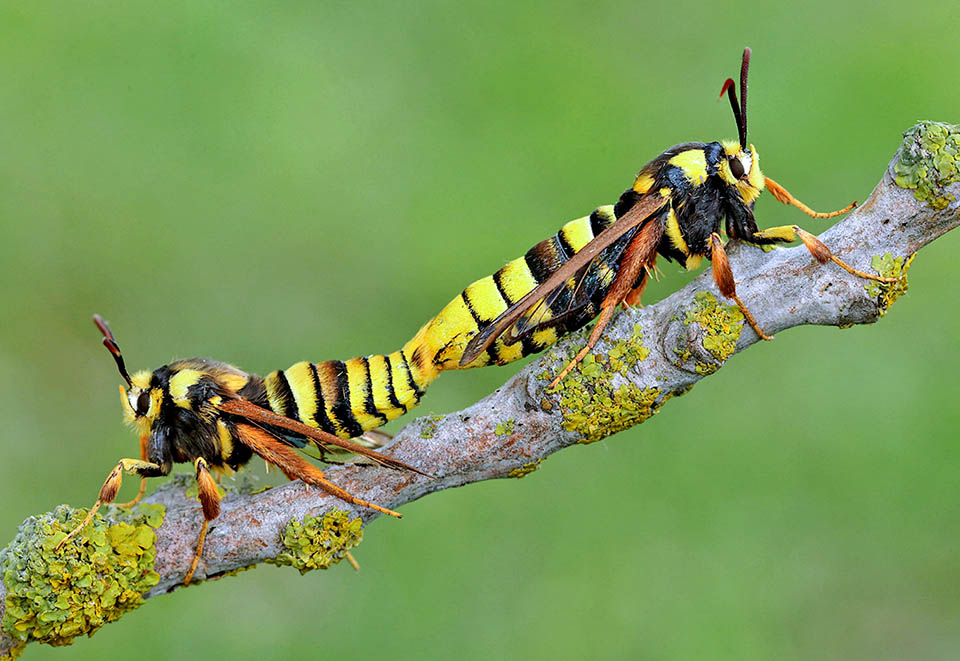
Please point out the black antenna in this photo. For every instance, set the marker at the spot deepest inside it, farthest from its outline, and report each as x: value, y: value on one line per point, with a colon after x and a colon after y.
x: 739, y: 108
x: 111, y: 344
x: 744, y: 68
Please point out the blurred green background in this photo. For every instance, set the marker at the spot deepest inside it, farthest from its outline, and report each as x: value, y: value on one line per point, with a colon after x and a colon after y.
x: 263, y: 183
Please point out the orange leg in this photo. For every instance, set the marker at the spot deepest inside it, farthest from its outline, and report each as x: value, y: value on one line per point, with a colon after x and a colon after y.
x: 723, y: 276
x: 633, y: 298
x: 639, y: 255
x: 296, y: 467
x: 353, y: 562
x: 817, y: 248
x: 112, y: 485
x: 783, y: 195
x: 606, y: 312
x: 210, y: 502
x: 143, y: 481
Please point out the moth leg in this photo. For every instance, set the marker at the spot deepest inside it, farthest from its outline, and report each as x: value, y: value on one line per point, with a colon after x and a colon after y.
x: 817, y: 248
x: 143, y: 481
x: 210, y: 502
x: 353, y: 561
x: 606, y: 312
x: 111, y: 486
x: 723, y: 276
x: 783, y: 195
x: 633, y: 298
x: 639, y: 255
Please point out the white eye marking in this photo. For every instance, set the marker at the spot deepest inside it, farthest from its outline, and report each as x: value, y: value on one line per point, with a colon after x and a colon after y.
x: 746, y: 160
x: 132, y: 397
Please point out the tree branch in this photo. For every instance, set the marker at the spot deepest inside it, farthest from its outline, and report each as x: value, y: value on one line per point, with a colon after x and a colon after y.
x: 646, y: 357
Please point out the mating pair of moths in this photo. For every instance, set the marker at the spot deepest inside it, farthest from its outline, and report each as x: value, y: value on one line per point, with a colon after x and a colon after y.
x: 217, y: 416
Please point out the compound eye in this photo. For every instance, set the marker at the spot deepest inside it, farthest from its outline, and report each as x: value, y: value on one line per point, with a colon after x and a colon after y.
x: 736, y: 167
x: 143, y: 403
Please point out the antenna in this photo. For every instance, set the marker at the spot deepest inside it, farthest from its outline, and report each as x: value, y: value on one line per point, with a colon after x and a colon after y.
x: 110, y: 342
x: 739, y: 108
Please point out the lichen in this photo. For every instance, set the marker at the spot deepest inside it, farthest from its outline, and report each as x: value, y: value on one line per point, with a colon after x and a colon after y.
x: 721, y: 326
x: 430, y: 426
x: 887, y: 293
x: 626, y: 354
x: 54, y: 595
x: 526, y: 469
x: 17, y: 649
x: 929, y: 162
x: 505, y: 428
x: 590, y: 403
x: 319, y: 542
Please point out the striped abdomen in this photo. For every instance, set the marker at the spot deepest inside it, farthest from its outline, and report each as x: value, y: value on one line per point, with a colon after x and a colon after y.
x: 349, y: 397
x: 346, y: 398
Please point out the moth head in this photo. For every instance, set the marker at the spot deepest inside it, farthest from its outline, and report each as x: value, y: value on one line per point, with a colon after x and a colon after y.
x: 739, y: 163
x: 141, y: 402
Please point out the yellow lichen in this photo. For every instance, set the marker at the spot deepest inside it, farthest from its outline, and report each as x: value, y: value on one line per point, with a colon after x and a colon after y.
x: 592, y: 406
x: 54, y: 594
x: 929, y: 162
x: 526, y: 469
x: 505, y: 428
x: 319, y: 542
x: 887, y: 293
x: 430, y: 426
x: 721, y: 326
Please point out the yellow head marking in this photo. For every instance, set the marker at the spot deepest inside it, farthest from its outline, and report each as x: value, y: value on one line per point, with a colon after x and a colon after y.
x: 128, y: 413
x: 751, y: 183
x: 131, y: 402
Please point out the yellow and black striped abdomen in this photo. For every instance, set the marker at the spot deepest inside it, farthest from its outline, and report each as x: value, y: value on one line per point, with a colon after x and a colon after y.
x: 346, y: 398
x: 445, y: 337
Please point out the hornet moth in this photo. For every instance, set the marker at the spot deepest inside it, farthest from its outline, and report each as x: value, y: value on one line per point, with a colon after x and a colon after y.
x: 217, y: 417
x: 674, y: 209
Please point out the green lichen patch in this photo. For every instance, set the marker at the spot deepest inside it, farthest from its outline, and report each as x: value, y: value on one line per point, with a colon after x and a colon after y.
x: 526, y: 469
x: 929, y: 162
x: 887, y: 293
x: 591, y: 404
x: 505, y: 428
x: 319, y: 542
x: 430, y: 426
x: 144, y: 513
x: 54, y: 595
x: 624, y: 355
x: 721, y: 325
